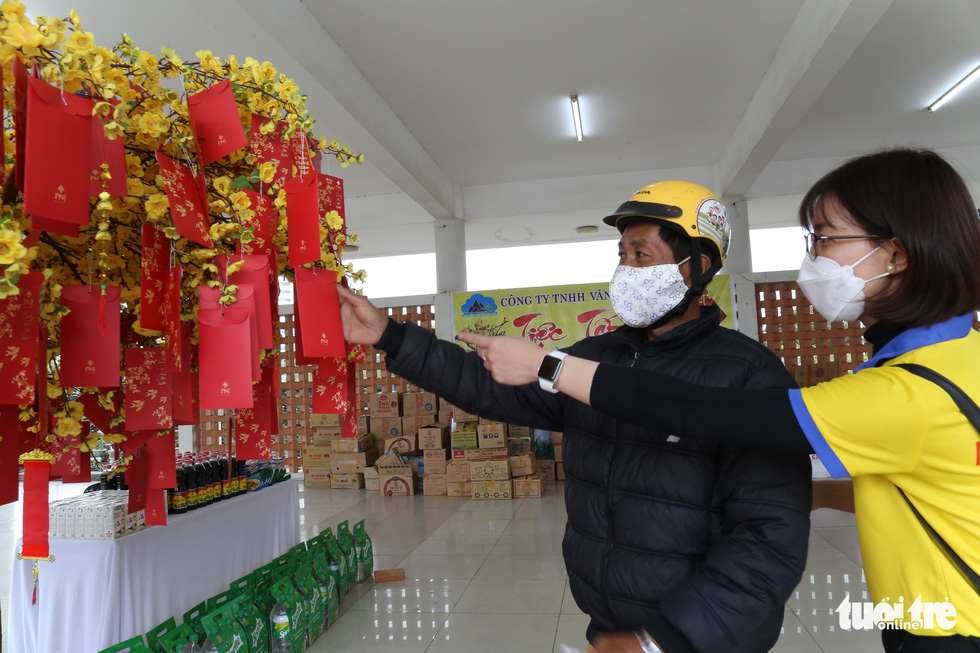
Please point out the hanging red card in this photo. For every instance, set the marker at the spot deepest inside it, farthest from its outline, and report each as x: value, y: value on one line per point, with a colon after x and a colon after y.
x: 156, y: 258
x: 214, y: 118
x: 160, y: 461
x: 136, y: 479
x: 186, y: 410
x: 263, y: 224
x: 156, y: 507
x: 301, y: 155
x: 319, y: 313
x: 15, y: 441
x: 172, y: 329
x: 223, y: 348
x: 20, y: 120
x: 90, y: 356
x: 59, y: 136
x: 330, y: 386
x: 299, y: 356
x: 105, y: 151
x: 187, y: 207
x: 252, y: 425
x: 271, y: 147
x: 255, y: 271
x: 331, y: 194
x: 18, y: 341
x: 97, y: 414
x: 149, y: 397
x: 209, y: 297
x: 71, y: 464
x: 303, y: 220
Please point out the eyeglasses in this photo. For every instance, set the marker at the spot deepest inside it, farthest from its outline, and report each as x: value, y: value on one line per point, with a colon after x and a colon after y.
x: 812, y: 239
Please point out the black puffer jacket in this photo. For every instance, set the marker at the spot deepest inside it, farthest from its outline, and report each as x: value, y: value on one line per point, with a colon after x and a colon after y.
x: 698, y: 543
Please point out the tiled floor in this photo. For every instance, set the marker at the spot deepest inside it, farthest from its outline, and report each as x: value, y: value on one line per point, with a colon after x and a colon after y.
x: 489, y: 576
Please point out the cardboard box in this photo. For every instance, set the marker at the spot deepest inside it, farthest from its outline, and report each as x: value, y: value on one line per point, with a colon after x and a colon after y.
x: 346, y: 481
x: 323, y: 437
x: 459, y: 489
x: 316, y: 476
x: 559, y: 471
x: 411, y: 425
x: 435, y: 436
x: 556, y: 437
x: 362, y: 425
x: 384, y: 404
x: 458, y: 471
x: 520, y: 445
x: 460, y: 415
x: 490, y: 470
x: 435, y: 460
x: 529, y: 487
x: 316, y: 420
x: 372, y: 480
x: 522, y: 464
x: 480, y: 454
x: 386, y: 427
x: 352, y: 445
x: 558, y: 449
x: 490, y: 490
x: 418, y: 403
x: 492, y: 435
x: 316, y: 456
x: 401, y: 444
x: 464, y: 439
x: 445, y: 415
x: 352, y: 463
x: 434, y: 485
x: 396, y: 477
x: 516, y: 431
x: 546, y: 469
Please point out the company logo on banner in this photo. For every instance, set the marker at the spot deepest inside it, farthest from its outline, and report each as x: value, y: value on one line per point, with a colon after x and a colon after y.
x: 557, y: 316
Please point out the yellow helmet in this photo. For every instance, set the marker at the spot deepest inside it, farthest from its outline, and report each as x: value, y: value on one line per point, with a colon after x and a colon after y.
x: 680, y: 205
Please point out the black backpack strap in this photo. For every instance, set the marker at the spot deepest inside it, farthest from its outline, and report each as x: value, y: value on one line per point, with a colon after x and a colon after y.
x: 972, y: 413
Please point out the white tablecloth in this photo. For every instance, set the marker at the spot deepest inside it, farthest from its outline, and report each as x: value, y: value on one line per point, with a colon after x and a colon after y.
x: 99, y: 592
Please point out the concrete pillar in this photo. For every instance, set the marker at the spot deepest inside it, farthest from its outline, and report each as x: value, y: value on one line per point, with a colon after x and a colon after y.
x: 450, y: 240
x: 738, y: 264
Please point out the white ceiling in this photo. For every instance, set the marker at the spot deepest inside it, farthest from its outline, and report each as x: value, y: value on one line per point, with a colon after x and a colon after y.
x: 461, y: 107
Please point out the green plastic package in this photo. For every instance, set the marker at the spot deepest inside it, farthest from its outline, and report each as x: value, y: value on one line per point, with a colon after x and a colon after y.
x: 364, y: 549
x: 224, y: 631
x: 132, y: 645
x: 176, y: 640
x: 287, y: 596
x: 255, y: 623
x: 154, y: 634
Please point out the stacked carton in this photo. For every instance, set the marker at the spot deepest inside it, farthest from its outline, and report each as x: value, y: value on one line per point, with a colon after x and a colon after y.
x: 349, y: 459
x: 434, y: 442
x: 490, y: 472
x: 316, y: 464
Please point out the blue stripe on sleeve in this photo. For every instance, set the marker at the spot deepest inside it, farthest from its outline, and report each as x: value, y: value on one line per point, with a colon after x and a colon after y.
x: 816, y: 439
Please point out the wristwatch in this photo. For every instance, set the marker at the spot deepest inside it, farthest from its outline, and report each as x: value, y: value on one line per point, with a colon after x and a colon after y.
x: 549, y: 369
x: 647, y: 643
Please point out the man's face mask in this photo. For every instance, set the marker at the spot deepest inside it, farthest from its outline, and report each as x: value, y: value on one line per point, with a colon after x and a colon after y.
x: 641, y: 296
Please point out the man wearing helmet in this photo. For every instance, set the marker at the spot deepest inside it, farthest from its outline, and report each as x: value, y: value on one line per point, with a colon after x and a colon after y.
x: 671, y: 544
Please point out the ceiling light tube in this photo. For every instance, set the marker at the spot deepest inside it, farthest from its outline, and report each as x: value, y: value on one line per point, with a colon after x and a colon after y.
x: 959, y: 86
x: 577, y: 118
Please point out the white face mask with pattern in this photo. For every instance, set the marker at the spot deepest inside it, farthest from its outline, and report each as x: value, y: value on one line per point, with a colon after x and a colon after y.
x: 641, y: 296
x: 834, y: 289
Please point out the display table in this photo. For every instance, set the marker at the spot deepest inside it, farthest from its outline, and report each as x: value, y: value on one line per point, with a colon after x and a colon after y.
x: 100, y: 592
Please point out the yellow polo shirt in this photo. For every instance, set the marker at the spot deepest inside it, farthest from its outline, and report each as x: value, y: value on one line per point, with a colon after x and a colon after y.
x: 887, y: 427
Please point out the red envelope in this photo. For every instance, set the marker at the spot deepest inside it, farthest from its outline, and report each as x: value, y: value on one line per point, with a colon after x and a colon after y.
x: 299, y: 356
x: 156, y: 259
x: 187, y: 207
x: 20, y: 120
x: 303, y: 220
x: 319, y: 313
x: 71, y: 464
x: 209, y: 297
x: 330, y: 386
x: 253, y: 425
x: 89, y: 357
x: 18, y: 342
x: 186, y: 410
x: 15, y: 441
x: 214, y: 118
x: 111, y: 152
x: 136, y: 480
x: 272, y: 147
x: 223, y: 348
x: 156, y: 507
x: 175, y: 336
x: 97, y: 415
x: 255, y: 272
x: 301, y: 156
x: 160, y: 461
x: 264, y: 224
x: 149, y: 397
x: 331, y: 194
x: 59, y: 136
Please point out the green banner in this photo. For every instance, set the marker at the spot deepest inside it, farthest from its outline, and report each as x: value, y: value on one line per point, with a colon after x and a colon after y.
x: 557, y: 316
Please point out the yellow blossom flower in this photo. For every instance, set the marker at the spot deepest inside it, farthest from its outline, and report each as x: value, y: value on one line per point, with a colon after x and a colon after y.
x: 73, y: 17
x: 10, y: 248
x: 154, y: 125
x: 81, y: 42
x: 267, y: 171
x: 156, y: 206
x: 222, y: 185
x: 240, y: 201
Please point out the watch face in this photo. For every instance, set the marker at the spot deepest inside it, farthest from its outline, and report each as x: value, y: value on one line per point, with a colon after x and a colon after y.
x: 549, y: 368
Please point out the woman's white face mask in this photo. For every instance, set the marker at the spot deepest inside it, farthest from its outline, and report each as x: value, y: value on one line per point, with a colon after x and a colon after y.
x: 833, y: 289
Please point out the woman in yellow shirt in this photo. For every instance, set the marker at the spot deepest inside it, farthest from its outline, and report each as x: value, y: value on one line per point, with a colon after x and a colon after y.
x: 893, y: 239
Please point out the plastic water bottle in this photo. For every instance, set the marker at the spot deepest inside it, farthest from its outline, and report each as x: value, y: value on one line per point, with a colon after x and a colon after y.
x: 208, y: 646
x: 281, y: 632
x: 324, y: 593
x: 359, y: 553
x: 191, y: 647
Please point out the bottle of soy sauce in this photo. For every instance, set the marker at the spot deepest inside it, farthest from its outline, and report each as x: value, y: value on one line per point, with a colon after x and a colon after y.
x: 190, y: 476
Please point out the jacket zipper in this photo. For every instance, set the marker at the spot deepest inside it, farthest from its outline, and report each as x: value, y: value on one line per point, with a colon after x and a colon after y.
x: 604, y: 577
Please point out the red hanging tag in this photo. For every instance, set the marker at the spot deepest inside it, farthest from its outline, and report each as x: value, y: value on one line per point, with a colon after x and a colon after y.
x: 37, y: 474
